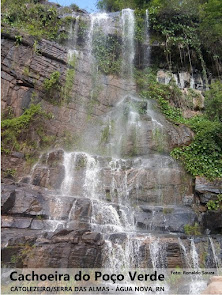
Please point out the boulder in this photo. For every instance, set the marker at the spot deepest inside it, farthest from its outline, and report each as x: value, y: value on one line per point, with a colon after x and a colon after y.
x: 163, y: 219
x: 207, y: 190
x: 212, y: 220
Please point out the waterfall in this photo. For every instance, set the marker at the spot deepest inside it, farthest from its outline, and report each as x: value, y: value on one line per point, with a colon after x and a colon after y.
x: 69, y: 163
x: 147, y: 38
x: 113, y: 187
x: 91, y: 177
x: 215, y: 257
x: 192, y: 82
x: 157, y: 124
x: 105, y: 218
x: 97, y: 20
x: 128, y: 24
x: 186, y: 257
x: 157, y: 253
x: 71, y: 213
x: 194, y: 255
x: 74, y: 33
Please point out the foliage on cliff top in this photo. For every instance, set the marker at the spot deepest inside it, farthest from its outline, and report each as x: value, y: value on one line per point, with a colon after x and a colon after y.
x: 24, y: 133
x: 191, y: 30
x: 203, y: 156
x: 39, y: 20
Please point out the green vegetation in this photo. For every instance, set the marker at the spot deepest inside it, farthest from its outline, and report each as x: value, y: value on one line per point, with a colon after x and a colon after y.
x: 203, y: 156
x: 54, y: 92
x: 160, y: 139
x: 169, y: 97
x: 24, y: 133
x: 167, y: 210
x: 70, y: 76
x: 18, y: 40
x: 105, y: 134
x: 9, y: 173
x: 82, y: 31
x: 213, y: 102
x: 96, y: 89
x: 189, y: 32
x: 192, y: 230
x: 69, y: 140
x: 140, y: 25
x: 215, y: 204
x: 52, y: 82
x: 53, y: 88
x: 38, y: 20
x: 106, y: 50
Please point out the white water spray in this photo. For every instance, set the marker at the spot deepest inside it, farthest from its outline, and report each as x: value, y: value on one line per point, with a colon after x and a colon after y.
x: 128, y: 24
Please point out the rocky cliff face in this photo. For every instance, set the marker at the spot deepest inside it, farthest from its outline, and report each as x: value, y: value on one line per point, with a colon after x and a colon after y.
x: 118, y: 193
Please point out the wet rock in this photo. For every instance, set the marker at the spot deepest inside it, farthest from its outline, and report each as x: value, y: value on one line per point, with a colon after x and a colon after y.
x: 212, y: 220
x: 7, y: 221
x: 188, y: 200
x: 42, y: 240
x: 8, y: 201
x: 55, y: 158
x: 179, y: 135
x: 65, y: 252
x: 40, y: 177
x: 92, y: 238
x: 172, y: 219
x: 25, y: 179
x: 207, y: 190
x: 49, y: 177
x: 118, y: 237
x: 66, y: 236
x: 18, y: 155
x: 27, y: 202
x: 174, y: 257
x: 21, y: 222
x: 37, y: 224
x: 83, y: 210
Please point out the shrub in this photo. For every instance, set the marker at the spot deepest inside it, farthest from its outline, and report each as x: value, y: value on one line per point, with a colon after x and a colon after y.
x: 215, y: 205
x: 53, y: 89
x: 39, y: 20
x: 192, y: 230
x: 203, y: 156
x: 213, y: 102
x: 106, y: 50
x: 52, y: 81
x: 70, y: 76
x: 18, y: 133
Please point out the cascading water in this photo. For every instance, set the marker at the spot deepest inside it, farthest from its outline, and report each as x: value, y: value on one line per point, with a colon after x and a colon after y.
x: 69, y: 162
x: 91, y: 177
x: 98, y: 21
x: 147, y: 38
x: 74, y: 33
x: 128, y: 24
x: 128, y: 177
x: 215, y: 256
x: 186, y: 256
x: 194, y: 255
x: 157, y: 253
